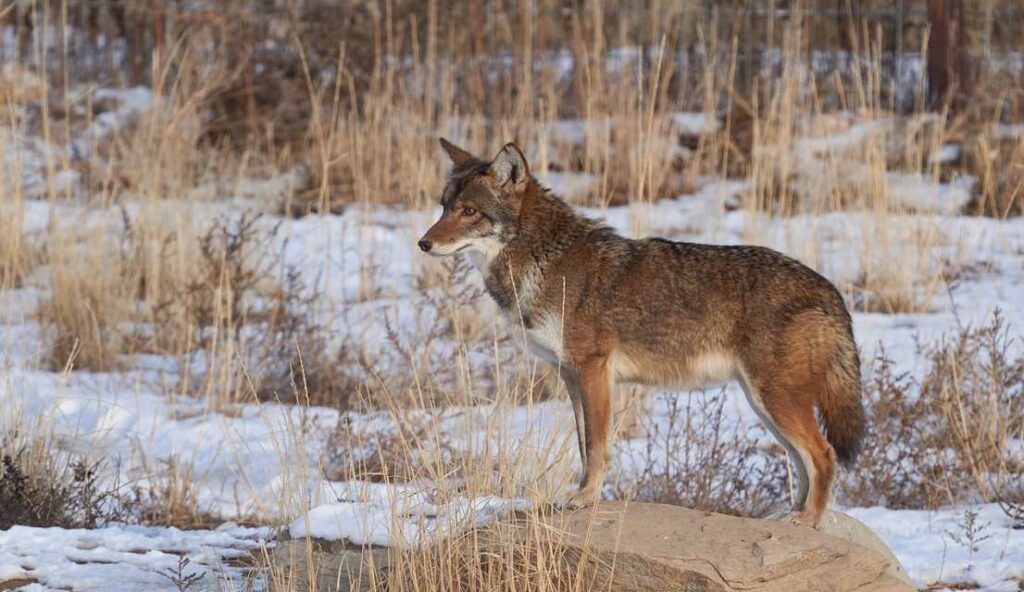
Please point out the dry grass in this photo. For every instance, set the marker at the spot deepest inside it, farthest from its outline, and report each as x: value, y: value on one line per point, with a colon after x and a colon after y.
x: 86, y: 309
x: 368, y: 139
x: 526, y: 554
x: 945, y: 439
x: 999, y: 166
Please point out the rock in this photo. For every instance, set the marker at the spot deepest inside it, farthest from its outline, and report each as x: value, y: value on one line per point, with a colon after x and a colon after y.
x: 636, y: 547
x: 625, y: 547
x: 848, y: 528
x: 336, y: 567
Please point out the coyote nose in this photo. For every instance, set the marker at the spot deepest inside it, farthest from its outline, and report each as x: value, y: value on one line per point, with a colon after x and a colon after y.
x: 425, y: 245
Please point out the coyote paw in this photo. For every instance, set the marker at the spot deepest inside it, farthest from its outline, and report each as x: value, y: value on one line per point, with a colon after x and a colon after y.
x: 580, y: 498
x: 799, y: 518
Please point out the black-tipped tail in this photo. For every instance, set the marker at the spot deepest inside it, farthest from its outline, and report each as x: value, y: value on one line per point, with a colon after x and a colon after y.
x: 841, y: 409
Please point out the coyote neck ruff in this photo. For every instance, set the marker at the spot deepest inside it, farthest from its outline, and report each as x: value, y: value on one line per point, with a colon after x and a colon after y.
x: 546, y: 232
x: 599, y: 307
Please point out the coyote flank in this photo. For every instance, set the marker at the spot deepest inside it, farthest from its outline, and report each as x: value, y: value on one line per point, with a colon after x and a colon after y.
x: 658, y: 312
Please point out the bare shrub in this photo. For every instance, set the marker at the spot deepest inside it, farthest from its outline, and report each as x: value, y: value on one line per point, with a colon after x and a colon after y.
x: 898, y: 465
x: 252, y: 319
x: 40, y: 487
x: 179, y: 575
x: 436, y: 359
x: 945, y: 439
x: 232, y: 261
x: 1010, y: 497
x: 979, y: 388
x: 698, y: 459
x: 43, y: 486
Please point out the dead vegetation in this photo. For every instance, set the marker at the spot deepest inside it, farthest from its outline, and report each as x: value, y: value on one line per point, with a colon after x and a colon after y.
x: 998, y: 164
x: 946, y: 438
x: 696, y: 456
x: 42, y: 487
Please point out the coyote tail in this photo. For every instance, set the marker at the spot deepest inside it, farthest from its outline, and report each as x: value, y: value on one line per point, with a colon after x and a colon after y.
x: 840, y: 403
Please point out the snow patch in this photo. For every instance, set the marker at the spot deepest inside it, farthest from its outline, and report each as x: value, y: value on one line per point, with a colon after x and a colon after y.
x: 132, y: 557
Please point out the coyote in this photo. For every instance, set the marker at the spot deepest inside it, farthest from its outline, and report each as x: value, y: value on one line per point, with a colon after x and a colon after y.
x: 598, y: 306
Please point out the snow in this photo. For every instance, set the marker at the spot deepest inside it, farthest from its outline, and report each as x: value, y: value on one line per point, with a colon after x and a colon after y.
x: 244, y: 462
x: 921, y: 193
x: 1009, y: 131
x: 828, y: 159
x: 237, y: 459
x: 695, y: 124
x: 568, y: 185
x: 133, y: 557
x: 571, y: 131
x: 934, y: 546
x: 130, y: 103
x: 406, y: 520
x: 25, y: 159
x: 947, y: 153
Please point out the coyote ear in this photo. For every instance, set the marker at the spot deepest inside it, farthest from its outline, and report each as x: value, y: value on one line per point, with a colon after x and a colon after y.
x: 458, y: 155
x: 509, y: 168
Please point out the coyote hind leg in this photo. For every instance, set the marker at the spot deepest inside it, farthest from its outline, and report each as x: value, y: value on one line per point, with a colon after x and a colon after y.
x: 802, y: 479
x: 789, y: 415
x: 798, y: 425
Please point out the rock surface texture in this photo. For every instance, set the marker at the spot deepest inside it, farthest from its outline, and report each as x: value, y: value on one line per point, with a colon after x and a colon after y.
x: 653, y: 547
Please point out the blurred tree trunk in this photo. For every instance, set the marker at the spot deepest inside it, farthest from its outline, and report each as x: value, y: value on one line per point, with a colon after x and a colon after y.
x: 947, y: 56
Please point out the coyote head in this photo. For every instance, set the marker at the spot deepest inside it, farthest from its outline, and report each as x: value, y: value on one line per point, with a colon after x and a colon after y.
x: 480, y: 203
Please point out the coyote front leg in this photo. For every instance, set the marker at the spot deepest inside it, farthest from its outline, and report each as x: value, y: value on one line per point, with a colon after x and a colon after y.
x: 594, y: 379
x: 572, y: 384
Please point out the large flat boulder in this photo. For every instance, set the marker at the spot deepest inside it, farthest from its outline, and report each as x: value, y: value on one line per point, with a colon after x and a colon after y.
x: 623, y: 547
x: 636, y: 547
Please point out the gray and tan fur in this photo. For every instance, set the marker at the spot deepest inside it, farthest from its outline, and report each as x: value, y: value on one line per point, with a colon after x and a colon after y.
x: 599, y: 307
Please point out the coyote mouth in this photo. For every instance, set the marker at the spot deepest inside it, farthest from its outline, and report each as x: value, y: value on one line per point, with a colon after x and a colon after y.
x: 459, y: 250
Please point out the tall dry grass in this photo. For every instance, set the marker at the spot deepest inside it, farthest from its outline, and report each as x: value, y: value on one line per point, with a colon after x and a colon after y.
x: 369, y: 140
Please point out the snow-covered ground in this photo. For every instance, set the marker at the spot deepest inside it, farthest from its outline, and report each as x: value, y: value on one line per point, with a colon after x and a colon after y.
x: 264, y: 460
x: 127, y: 557
x: 934, y: 546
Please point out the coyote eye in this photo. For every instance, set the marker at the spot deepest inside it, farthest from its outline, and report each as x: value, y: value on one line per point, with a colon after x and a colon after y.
x: 468, y: 211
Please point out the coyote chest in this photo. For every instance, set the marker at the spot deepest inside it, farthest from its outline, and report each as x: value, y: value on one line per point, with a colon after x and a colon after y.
x: 516, y: 295
x: 543, y: 332
x: 545, y: 339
